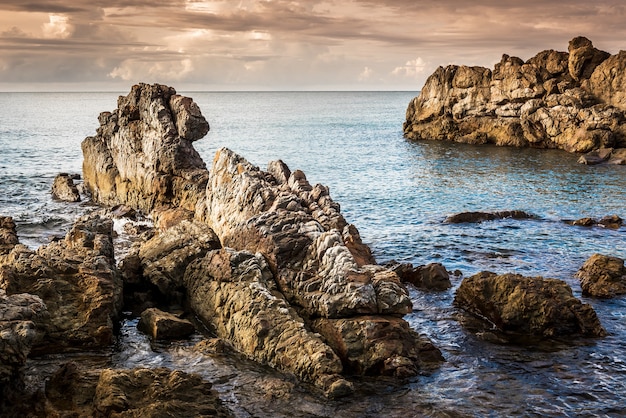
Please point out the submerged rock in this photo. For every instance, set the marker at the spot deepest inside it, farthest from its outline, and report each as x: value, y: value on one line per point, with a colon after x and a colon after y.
x: 476, y: 217
x: 571, y: 101
x: 611, y: 222
x: 603, y: 276
x: 77, y: 280
x: 63, y: 188
x: 527, y: 306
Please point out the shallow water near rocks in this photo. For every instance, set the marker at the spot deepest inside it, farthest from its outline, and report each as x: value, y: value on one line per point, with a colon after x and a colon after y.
x: 397, y: 193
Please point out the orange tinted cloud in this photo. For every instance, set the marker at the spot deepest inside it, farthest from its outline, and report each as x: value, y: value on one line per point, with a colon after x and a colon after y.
x: 282, y: 44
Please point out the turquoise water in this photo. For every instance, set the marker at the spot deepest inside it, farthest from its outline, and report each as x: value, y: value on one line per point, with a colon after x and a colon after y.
x: 397, y: 193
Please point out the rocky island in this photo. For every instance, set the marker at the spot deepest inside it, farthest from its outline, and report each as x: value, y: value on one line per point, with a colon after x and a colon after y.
x: 574, y: 101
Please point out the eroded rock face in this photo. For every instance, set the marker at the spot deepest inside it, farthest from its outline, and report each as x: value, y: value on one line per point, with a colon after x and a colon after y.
x: 77, y: 280
x: 603, y: 276
x: 300, y: 231
x: 234, y: 292
x: 572, y: 101
x: 8, y: 235
x: 162, y: 325
x: 530, y: 306
x: 142, y: 154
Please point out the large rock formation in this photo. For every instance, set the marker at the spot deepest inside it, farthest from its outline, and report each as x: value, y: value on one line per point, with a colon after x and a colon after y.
x: 528, y: 306
x: 77, y: 280
x: 603, y: 276
x: 294, y: 284
x: 142, y: 154
x: 573, y: 101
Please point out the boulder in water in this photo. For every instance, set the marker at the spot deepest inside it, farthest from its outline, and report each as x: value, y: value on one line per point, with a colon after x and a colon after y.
x: 63, y: 188
x: 527, y: 306
x: 603, y: 276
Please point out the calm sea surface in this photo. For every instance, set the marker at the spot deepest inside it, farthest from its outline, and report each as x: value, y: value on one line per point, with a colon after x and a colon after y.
x: 397, y: 193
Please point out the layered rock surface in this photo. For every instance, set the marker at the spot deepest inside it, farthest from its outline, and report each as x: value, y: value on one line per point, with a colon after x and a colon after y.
x: 291, y: 265
x: 573, y: 101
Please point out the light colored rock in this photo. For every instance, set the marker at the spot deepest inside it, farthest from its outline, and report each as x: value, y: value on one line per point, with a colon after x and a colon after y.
x: 142, y: 154
x: 299, y: 229
x: 529, y: 306
x: 234, y: 293
x: 554, y: 100
x: 63, y: 188
x: 603, y: 276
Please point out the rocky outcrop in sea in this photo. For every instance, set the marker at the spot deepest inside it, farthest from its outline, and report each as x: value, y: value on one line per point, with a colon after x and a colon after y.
x: 572, y: 100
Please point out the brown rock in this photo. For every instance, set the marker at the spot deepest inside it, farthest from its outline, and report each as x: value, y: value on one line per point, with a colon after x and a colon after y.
x: 155, y: 392
x: 377, y: 345
x: 164, y: 325
x: 234, y: 294
x: 8, y: 235
x: 77, y: 280
x: 475, y: 217
x: 549, y: 101
x: 63, y: 188
x: 603, y: 276
x: 433, y: 276
x: 142, y: 154
x: 530, y: 306
x: 21, y: 318
x: 584, y: 58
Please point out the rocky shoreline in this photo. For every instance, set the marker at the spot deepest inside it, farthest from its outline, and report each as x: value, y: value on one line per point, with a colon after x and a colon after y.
x: 572, y: 101
x: 260, y: 262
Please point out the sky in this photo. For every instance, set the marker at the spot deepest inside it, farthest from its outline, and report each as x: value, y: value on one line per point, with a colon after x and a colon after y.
x: 208, y: 45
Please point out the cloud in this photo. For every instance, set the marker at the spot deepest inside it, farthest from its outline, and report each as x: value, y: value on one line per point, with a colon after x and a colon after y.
x: 57, y: 28
x: 366, y: 74
x: 412, y: 68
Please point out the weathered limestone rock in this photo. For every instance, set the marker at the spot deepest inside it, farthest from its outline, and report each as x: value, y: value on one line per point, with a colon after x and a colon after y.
x: 572, y: 101
x: 531, y: 306
x: 21, y: 316
x: 77, y: 280
x: 63, y: 188
x: 603, y: 276
x: 142, y: 154
x: 433, y: 276
x: 476, y: 217
x: 164, y: 325
x: 300, y: 231
x: 235, y: 294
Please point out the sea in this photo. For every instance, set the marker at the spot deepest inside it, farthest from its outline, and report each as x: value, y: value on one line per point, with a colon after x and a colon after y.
x: 398, y: 194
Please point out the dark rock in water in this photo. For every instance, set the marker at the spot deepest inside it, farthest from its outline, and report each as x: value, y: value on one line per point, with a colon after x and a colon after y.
x: 573, y: 101
x: 64, y: 188
x: 433, y: 276
x: 142, y: 154
x: 21, y: 317
x: 611, y: 222
x: 529, y: 306
x: 603, y: 276
x: 475, y: 217
x: 77, y: 280
x: 164, y: 325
